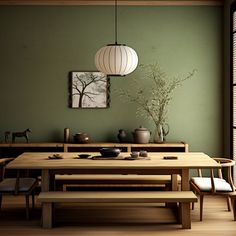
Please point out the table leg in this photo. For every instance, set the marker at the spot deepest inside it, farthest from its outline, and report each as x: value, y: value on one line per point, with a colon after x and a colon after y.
x: 46, y: 207
x: 185, y: 180
x: 174, y: 187
x: 184, y: 209
x: 45, y: 181
x: 174, y: 182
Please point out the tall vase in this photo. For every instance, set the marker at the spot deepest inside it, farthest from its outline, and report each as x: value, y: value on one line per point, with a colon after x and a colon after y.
x: 158, y: 134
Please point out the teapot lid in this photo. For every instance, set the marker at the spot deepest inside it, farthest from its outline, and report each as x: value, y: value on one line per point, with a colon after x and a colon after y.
x: 141, y: 128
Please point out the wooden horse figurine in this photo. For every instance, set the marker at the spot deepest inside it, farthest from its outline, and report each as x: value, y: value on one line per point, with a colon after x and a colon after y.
x: 21, y: 134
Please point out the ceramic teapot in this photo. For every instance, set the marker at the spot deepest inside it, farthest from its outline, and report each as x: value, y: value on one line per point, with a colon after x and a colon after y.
x: 141, y: 135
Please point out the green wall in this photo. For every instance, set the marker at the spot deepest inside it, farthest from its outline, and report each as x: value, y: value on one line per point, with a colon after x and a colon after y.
x: 39, y: 46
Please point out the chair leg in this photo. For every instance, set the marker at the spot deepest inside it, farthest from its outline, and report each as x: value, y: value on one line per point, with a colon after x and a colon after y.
x: 193, y: 202
x: 0, y: 201
x: 201, y: 206
x: 233, y: 202
x: 228, y: 203
x: 33, y: 200
x: 192, y: 205
x: 27, y: 206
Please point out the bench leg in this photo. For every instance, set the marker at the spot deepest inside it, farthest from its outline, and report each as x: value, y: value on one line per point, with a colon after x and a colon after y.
x: 233, y: 203
x: 174, y: 187
x: 47, y: 212
x: 185, y: 217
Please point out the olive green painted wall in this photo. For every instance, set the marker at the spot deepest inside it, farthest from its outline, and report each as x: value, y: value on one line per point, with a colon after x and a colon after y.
x: 40, y: 45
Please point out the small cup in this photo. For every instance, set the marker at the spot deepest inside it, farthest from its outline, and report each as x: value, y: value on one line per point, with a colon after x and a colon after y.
x: 143, y: 153
x: 134, y: 154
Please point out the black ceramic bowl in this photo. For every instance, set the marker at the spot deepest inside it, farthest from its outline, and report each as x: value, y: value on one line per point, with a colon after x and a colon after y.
x: 110, y: 152
x: 84, y: 156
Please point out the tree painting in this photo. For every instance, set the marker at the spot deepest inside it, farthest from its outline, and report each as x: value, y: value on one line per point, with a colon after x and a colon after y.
x: 89, y: 90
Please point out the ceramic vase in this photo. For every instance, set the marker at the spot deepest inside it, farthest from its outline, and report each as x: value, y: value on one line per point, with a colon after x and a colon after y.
x: 160, y: 133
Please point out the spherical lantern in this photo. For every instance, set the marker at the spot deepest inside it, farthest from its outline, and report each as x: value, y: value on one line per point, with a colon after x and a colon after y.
x: 116, y: 59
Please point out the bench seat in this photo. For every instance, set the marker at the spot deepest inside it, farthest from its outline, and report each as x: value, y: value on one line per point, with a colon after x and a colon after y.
x: 131, y: 198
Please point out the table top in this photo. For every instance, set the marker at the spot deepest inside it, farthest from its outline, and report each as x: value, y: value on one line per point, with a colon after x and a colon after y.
x: 39, y: 160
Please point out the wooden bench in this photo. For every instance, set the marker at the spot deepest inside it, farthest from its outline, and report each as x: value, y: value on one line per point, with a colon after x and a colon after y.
x: 77, y: 180
x: 130, y: 198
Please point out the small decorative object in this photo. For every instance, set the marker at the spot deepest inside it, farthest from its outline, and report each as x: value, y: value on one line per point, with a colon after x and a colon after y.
x: 81, y: 138
x: 143, y: 153
x: 170, y: 157
x: 6, y: 136
x: 55, y: 156
x: 141, y: 135
x: 66, y: 135
x: 134, y: 154
x: 83, y: 156
x: 110, y: 152
x: 121, y: 136
x: 153, y: 100
x: 89, y: 90
x: 21, y: 134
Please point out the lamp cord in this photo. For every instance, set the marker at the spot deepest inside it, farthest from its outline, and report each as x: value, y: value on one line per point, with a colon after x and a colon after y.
x: 115, y: 21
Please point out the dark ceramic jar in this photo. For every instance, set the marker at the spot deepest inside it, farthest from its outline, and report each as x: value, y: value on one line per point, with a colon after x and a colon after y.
x: 81, y: 138
x: 121, y: 136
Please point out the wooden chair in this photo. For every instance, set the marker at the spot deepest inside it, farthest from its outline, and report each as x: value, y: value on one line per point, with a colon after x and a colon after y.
x: 16, y: 186
x: 215, y: 186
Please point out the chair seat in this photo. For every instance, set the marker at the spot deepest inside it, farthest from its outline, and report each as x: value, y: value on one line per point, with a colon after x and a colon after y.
x: 204, y: 184
x: 25, y: 184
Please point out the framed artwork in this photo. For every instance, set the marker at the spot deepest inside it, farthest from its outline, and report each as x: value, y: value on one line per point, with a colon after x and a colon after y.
x: 89, y: 90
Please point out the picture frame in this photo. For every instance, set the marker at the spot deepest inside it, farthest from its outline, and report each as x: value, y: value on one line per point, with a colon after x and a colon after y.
x: 89, y: 90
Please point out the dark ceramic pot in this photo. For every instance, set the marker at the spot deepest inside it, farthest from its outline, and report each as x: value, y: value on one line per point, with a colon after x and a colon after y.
x: 141, y: 135
x: 121, y: 136
x: 81, y: 138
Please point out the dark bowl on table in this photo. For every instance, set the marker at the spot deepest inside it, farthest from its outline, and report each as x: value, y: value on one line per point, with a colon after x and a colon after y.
x: 110, y: 152
x: 84, y: 156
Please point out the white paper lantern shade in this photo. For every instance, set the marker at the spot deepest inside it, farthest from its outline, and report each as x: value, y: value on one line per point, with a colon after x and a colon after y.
x: 116, y: 59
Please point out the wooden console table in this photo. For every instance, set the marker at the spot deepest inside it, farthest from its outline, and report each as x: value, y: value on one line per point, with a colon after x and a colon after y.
x: 15, y: 149
x: 128, y: 147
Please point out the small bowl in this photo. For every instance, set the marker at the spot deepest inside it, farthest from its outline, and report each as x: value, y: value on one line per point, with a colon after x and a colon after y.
x: 84, y: 156
x: 110, y: 152
x: 134, y: 154
x: 143, y: 153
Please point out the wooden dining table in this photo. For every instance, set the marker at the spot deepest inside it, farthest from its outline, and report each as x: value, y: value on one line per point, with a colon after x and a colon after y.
x: 155, y: 164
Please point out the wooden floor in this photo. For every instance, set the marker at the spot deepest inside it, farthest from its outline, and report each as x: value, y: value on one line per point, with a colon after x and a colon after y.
x: 107, y: 221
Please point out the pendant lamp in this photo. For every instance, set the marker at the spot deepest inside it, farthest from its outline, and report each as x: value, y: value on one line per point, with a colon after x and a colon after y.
x: 116, y: 59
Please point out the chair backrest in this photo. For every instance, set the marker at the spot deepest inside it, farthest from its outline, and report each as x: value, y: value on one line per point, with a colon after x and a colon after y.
x: 226, y: 164
x: 2, y: 169
x: 3, y: 163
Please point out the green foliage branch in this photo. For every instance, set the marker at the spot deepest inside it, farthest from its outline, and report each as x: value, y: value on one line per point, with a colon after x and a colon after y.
x: 153, y: 100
